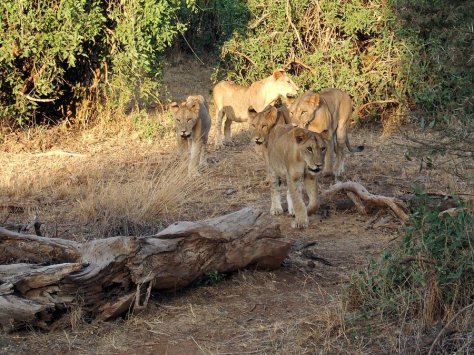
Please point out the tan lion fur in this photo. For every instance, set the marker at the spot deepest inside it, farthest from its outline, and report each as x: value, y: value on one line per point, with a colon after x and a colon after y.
x: 193, y: 123
x: 327, y: 113
x: 233, y: 100
x: 293, y: 154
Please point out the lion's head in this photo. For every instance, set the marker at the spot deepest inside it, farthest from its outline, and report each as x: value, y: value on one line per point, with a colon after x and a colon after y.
x: 261, y: 123
x: 280, y: 85
x: 310, y: 147
x: 186, y: 115
x: 304, y: 111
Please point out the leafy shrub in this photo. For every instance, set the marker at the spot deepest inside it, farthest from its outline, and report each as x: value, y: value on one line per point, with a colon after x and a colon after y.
x: 57, y: 55
x: 430, y: 274
x: 390, y: 56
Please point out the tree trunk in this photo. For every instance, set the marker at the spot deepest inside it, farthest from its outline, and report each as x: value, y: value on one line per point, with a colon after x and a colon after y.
x: 42, y: 278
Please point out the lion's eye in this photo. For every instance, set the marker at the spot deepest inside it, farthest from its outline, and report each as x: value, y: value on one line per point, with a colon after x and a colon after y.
x: 303, y: 113
x: 264, y: 126
x: 310, y: 149
x: 323, y: 149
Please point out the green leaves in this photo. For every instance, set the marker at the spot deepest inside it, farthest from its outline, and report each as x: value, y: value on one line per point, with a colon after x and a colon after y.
x: 68, y: 51
x: 436, y: 254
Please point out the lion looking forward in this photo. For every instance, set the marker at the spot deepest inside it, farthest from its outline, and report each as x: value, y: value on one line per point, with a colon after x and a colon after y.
x: 293, y: 154
x: 327, y: 113
x: 193, y: 123
x: 233, y: 100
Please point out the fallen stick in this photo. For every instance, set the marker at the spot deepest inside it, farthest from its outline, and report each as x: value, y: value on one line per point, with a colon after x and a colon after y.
x: 351, y: 187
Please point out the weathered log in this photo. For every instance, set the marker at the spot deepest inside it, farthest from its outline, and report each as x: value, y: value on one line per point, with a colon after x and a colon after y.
x: 359, y: 194
x: 44, y: 277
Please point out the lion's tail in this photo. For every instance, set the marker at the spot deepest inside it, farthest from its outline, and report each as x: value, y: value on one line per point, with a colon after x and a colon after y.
x: 357, y: 149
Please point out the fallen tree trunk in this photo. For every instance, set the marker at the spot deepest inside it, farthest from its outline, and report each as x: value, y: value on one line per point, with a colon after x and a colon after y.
x: 42, y: 278
x: 359, y: 195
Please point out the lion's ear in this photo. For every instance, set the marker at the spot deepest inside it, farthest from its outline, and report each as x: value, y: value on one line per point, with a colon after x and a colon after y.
x: 314, y: 99
x: 278, y: 102
x: 278, y: 73
x: 174, y: 107
x: 271, y: 114
x: 251, y: 112
x: 319, y: 139
x: 300, y: 135
x: 194, y: 106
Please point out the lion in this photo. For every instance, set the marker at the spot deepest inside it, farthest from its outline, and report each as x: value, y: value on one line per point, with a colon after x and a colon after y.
x: 328, y: 113
x: 193, y: 123
x: 233, y: 100
x: 261, y: 123
x: 293, y: 154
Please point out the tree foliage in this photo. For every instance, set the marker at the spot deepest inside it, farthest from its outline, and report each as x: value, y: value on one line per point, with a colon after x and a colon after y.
x: 58, y: 56
x: 389, y: 55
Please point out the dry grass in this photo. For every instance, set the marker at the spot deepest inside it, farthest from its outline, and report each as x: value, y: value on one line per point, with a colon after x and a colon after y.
x: 124, y: 184
x: 126, y: 180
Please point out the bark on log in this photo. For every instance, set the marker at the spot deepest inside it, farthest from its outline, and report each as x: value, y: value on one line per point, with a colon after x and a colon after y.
x: 362, y: 195
x: 42, y: 278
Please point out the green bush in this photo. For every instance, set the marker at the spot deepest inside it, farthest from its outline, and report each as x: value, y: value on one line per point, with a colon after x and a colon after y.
x: 390, y: 56
x: 56, y: 55
x: 431, y: 272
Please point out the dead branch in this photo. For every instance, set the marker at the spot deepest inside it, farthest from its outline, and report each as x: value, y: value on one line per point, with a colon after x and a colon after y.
x: 446, y: 327
x: 290, y: 22
x: 242, y: 55
x: 259, y: 21
x: 41, y: 278
x: 394, y: 204
x: 377, y: 102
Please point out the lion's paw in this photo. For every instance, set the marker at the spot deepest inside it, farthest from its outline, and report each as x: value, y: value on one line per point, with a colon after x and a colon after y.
x: 276, y: 211
x: 300, y: 224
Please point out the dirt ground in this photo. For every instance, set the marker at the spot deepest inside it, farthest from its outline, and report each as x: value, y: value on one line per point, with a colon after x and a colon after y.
x: 294, y: 310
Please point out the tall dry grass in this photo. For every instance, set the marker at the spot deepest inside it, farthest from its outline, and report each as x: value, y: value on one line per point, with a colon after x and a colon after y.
x: 140, y: 200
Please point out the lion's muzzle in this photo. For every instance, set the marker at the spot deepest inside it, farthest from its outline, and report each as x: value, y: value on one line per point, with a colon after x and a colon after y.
x: 316, y: 169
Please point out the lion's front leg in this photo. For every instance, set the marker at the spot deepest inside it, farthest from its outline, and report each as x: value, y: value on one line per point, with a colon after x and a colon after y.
x: 182, y: 144
x: 301, y: 215
x: 312, y: 189
x: 220, y: 115
x: 194, y: 158
x: 289, y: 200
x: 340, y: 152
x: 227, y: 130
x: 275, y: 208
x: 329, y: 158
x: 291, y: 208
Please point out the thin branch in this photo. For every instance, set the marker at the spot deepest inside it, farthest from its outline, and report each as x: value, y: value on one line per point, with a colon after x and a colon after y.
x: 191, y: 48
x: 446, y: 327
x: 299, y: 62
x: 259, y: 21
x: 242, y: 55
x: 290, y: 22
x: 378, y: 102
x: 35, y: 99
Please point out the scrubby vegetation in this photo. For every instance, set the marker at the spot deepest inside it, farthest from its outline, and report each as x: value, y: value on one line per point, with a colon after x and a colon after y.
x: 390, y: 56
x: 60, y: 57
x: 426, y: 279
